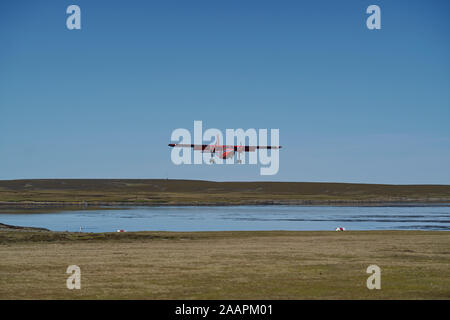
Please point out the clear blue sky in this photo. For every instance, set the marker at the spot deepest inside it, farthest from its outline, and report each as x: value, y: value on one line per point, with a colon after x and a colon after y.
x: 352, y: 105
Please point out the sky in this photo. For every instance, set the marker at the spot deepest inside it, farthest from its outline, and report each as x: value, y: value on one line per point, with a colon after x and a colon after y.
x: 351, y: 104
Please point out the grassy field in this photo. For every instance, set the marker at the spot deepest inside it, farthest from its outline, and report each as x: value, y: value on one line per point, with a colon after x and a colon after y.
x: 225, y: 265
x: 191, y: 192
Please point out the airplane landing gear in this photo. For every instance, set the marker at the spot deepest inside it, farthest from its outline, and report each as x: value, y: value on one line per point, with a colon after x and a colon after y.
x: 239, y: 161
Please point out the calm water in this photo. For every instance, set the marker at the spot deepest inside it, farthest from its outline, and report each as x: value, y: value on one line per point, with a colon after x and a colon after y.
x: 238, y: 218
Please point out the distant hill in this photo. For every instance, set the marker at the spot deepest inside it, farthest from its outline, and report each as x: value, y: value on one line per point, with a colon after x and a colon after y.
x: 84, y: 192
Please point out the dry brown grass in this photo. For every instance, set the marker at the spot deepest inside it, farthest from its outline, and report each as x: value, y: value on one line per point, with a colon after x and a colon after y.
x: 191, y: 192
x: 226, y: 265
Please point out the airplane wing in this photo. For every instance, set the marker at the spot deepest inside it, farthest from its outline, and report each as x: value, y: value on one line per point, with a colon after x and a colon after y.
x: 201, y: 147
x: 253, y: 148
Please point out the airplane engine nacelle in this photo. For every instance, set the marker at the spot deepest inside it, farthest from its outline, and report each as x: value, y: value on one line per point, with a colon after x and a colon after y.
x: 227, y: 155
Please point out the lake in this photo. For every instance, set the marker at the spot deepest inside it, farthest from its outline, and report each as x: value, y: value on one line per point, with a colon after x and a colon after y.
x: 231, y: 218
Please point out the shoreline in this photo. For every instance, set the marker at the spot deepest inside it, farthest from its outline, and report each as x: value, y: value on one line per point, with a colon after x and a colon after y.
x: 11, y: 228
x: 11, y: 233
x: 98, y: 205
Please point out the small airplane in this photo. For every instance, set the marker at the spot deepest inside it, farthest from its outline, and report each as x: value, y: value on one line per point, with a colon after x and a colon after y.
x: 223, y: 151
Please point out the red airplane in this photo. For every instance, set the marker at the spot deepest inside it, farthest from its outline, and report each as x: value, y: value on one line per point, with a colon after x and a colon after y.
x: 223, y: 151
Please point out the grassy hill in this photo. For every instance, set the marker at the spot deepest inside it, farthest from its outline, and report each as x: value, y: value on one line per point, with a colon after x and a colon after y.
x: 56, y: 192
